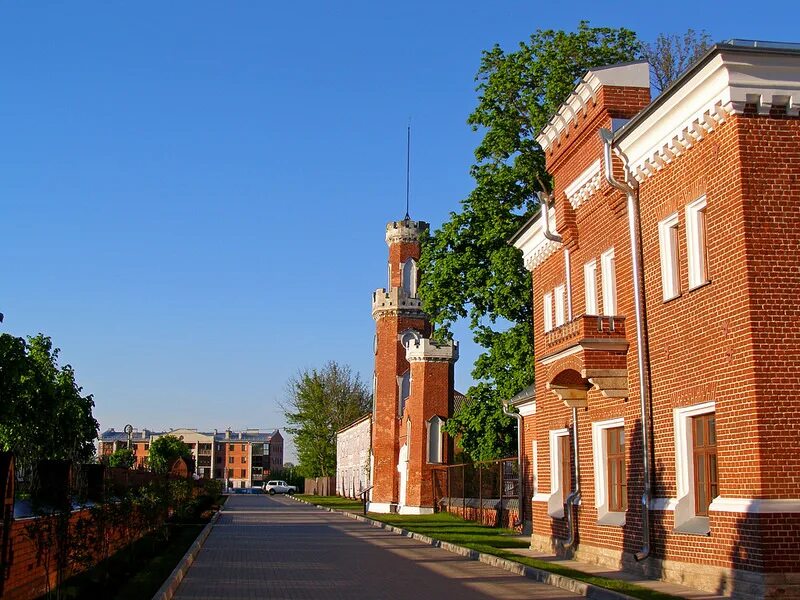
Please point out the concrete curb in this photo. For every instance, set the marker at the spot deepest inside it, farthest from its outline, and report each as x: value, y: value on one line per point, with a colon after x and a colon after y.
x: 581, y: 588
x: 170, y: 586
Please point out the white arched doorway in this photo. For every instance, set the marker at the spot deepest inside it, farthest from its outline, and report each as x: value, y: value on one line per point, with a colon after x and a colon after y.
x: 402, y: 468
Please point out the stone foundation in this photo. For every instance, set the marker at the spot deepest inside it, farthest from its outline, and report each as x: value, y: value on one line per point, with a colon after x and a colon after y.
x: 734, y: 583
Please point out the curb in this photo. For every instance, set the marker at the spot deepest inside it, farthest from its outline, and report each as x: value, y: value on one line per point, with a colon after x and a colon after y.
x: 170, y: 586
x: 588, y: 590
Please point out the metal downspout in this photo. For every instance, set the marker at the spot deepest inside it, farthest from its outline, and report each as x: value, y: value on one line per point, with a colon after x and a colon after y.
x: 544, y: 201
x: 644, y: 392
x: 575, y: 497
x: 518, y: 417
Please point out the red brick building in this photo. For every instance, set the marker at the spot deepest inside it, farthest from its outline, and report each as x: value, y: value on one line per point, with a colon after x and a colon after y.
x: 663, y: 432
x: 240, y: 458
x: 412, y: 387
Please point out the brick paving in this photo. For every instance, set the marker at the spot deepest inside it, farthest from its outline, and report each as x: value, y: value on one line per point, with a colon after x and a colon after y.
x: 274, y: 547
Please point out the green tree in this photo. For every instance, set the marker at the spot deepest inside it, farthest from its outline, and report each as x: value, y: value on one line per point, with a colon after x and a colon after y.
x: 319, y: 403
x: 165, y: 450
x: 43, y: 413
x: 122, y: 458
x: 468, y: 268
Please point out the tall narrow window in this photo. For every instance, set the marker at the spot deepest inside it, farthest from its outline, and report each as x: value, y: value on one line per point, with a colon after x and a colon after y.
x: 704, y: 449
x: 670, y: 264
x: 609, y: 282
x: 409, y: 277
x: 560, y: 311
x: 404, y: 385
x: 617, y: 484
x: 696, y: 242
x: 565, y: 467
x: 547, y: 308
x: 435, y: 440
x: 590, y: 287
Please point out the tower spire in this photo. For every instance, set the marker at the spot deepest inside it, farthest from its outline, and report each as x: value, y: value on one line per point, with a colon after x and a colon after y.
x: 408, y: 168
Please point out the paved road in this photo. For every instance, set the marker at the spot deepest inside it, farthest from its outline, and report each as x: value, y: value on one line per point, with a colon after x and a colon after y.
x: 274, y: 547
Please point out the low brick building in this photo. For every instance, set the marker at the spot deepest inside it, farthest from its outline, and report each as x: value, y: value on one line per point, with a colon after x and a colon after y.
x: 239, y: 458
x: 663, y: 433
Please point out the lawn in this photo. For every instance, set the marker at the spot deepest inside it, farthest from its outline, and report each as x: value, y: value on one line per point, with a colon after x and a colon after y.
x: 489, y: 540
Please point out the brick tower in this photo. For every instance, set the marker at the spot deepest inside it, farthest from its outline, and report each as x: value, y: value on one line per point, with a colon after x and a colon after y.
x: 404, y: 354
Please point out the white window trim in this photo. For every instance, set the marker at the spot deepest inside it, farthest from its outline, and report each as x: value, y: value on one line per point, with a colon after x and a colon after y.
x: 685, y: 518
x: 600, y: 457
x: 695, y: 249
x: 428, y: 424
x: 409, y: 270
x: 400, y: 401
x: 608, y: 269
x: 535, y: 467
x: 558, y: 294
x: 590, y: 287
x: 555, y: 503
x: 670, y: 281
x: 547, y: 309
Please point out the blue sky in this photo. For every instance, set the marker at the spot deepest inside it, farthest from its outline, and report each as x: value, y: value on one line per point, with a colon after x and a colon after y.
x: 194, y: 193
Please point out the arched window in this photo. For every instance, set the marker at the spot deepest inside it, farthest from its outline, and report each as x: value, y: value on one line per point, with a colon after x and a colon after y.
x: 408, y: 276
x: 404, y: 389
x: 435, y: 439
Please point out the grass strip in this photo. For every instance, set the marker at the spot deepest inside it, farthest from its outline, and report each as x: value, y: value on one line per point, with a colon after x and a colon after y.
x: 490, y: 540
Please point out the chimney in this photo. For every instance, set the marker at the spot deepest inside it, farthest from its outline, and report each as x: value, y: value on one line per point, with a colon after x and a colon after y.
x: 227, y: 434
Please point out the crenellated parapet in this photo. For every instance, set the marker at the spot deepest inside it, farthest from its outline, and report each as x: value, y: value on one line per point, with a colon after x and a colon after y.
x: 404, y: 231
x: 395, y: 302
x: 426, y: 350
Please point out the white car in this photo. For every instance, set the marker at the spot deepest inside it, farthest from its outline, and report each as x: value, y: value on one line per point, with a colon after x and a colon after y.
x: 279, y: 487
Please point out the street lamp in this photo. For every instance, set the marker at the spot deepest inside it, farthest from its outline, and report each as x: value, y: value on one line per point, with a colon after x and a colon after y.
x: 129, y: 430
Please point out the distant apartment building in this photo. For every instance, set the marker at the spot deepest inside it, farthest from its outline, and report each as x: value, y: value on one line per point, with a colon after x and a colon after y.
x: 239, y: 458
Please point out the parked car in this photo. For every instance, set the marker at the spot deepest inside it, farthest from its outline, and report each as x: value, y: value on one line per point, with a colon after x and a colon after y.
x: 279, y: 487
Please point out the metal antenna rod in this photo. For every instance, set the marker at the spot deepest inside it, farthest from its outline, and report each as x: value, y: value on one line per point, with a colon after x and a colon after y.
x: 408, y: 168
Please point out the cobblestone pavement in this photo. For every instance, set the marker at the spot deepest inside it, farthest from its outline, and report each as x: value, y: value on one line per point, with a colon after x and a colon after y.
x: 274, y: 547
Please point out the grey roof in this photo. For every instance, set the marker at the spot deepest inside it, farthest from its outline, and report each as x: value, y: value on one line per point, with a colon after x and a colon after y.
x: 523, y: 395
x: 252, y: 435
x: 459, y: 400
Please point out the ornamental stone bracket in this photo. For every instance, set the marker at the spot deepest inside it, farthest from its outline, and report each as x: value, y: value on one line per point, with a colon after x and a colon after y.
x: 612, y: 383
x: 571, y: 396
x: 395, y: 302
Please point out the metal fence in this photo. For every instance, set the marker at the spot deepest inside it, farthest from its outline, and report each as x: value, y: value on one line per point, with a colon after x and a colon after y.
x: 487, y: 491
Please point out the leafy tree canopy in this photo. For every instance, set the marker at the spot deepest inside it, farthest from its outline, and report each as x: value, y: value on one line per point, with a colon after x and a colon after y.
x: 319, y: 403
x: 671, y: 54
x: 469, y: 270
x: 122, y: 458
x: 165, y: 450
x: 43, y: 414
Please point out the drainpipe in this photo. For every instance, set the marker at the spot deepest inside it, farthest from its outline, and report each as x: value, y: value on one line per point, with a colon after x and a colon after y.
x: 544, y: 201
x: 518, y: 417
x: 638, y: 301
x: 575, y: 496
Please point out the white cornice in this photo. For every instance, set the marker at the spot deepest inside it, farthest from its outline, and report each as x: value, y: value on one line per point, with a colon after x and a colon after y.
x: 701, y: 104
x: 626, y: 75
x: 754, y: 505
x: 533, y: 243
x: 426, y: 350
x: 584, y: 185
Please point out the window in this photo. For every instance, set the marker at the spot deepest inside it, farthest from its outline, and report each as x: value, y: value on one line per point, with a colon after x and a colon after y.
x: 244, y: 473
x: 609, y: 282
x: 696, y: 242
x: 244, y: 459
x: 408, y: 276
x: 435, y: 439
x: 704, y: 445
x: 547, y: 307
x: 244, y: 447
x: 590, y: 287
x: 230, y: 460
x: 670, y: 263
x: 559, y: 297
x: 695, y: 466
x: 241, y: 483
x: 219, y: 459
x: 615, y: 456
x: 404, y: 388
x: 146, y: 447
x: 560, y: 472
x: 230, y: 447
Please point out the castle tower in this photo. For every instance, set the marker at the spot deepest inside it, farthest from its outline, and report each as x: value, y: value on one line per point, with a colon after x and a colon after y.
x: 400, y: 326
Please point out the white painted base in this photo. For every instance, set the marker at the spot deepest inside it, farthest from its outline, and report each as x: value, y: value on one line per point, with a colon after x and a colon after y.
x: 415, y: 510
x: 380, y: 507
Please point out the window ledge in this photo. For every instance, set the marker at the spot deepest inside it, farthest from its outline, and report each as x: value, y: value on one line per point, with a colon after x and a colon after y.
x: 671, y: 298
x: 694, y: 526
x: 698, y: 286
x: 612, y: 519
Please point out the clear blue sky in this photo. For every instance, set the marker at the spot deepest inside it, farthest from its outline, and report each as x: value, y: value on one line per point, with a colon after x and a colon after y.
x: 194, y: 193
